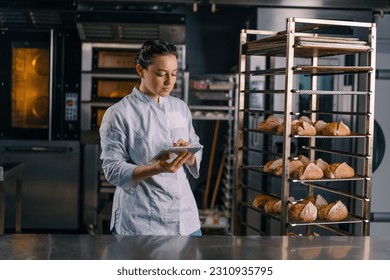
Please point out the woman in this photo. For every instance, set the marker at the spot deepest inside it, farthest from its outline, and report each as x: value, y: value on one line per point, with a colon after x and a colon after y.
x: 156, y: 198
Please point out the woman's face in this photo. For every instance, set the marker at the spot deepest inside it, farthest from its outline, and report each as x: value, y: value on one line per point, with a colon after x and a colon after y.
x: 159, y: 78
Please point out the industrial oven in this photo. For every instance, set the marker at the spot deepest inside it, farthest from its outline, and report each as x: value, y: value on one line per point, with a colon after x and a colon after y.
x: 40, y: 124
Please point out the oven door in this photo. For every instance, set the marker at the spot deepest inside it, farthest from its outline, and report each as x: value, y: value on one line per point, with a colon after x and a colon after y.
x: 98, y: 92
x: 92, y: 115
x: 106, y: 87
x: 25, y: 94
x: 109, y: 58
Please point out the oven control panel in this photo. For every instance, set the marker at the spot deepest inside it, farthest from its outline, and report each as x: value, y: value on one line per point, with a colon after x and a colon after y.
x: 71, y: 106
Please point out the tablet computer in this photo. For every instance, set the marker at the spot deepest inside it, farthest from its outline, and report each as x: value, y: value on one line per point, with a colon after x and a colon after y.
x: 176, y: 150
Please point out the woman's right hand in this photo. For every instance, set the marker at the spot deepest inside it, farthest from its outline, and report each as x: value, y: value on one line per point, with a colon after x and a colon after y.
x: 162, y: 165
x: 174, y: 165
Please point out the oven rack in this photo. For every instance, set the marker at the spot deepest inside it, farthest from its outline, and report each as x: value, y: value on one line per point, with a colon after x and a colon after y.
x: 353, y: 135
x: 350, y: 219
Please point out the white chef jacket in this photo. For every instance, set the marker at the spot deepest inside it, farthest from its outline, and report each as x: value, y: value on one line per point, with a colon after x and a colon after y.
x: 132, y: 132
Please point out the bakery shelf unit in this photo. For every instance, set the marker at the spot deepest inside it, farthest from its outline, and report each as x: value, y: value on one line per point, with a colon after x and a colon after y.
x: 318, y: 69
x: 212, y: 99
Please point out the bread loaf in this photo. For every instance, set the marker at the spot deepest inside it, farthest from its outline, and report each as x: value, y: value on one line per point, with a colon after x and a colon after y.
x: 260, y: 200
x: 336, y: 129
x: 305, y: 212
x: 339, y: 170
x: 276, y: 166
x: 270, y: 124
x: 271, y: 165
x: 309, y: 172
x: 273, y: 206
x: 319, y: 126
x: 334, y: 212
x: 280, y: 128
x: 317, y: 200
x: 303, y: 128
x: 305, y: 119
x: 294, y: 165
x: 321, y: 164
x: 305, y: 160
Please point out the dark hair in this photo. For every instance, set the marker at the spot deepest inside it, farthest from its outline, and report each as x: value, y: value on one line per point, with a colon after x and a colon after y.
x: 152, y: 48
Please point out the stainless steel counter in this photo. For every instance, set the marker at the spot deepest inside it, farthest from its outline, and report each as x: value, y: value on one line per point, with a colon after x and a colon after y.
x: 95, y: 247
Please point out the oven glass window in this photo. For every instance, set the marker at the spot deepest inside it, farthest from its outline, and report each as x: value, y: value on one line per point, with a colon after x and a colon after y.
x: 115, y: 59
x: 30, y: 87
x: 99, y: 116
x: 114, y: 88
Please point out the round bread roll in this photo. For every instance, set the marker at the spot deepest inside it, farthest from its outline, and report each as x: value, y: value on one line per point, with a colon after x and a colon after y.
x: 273, y: 206
x: 280, y: 128
x: 305, y: 160
x: 260, y: 200
x: 321, y: 164
x: 336, y: 129
x: 279, y: 170
x: 305, y: 119
x: 334, y: 212
x: 305, y: 212
x: 271, y: 165
x: 309, y: 172
x: 303, y: 128
x: 319, y: 126
x: 294, y: 164
x: 317, y: 200
x: 339, y: 170
x: 270, y: 124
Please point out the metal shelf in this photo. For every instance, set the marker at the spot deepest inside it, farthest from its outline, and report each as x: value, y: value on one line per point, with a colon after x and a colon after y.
x: 305, y: 50
x: 214, y: 98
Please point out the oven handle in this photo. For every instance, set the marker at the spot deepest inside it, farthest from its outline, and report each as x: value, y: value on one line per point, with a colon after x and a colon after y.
x: 16, y: 149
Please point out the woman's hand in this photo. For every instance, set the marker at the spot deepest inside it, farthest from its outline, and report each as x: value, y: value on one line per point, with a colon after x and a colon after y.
x: 165, y: 165
x: 191, y: 161
x: 172, y: 166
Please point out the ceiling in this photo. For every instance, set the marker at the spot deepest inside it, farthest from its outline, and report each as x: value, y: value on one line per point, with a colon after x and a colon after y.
x: 124, y: 20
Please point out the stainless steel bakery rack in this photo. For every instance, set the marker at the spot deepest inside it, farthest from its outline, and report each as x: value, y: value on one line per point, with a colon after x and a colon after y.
x: 321, y: 69
x: 213, y: 98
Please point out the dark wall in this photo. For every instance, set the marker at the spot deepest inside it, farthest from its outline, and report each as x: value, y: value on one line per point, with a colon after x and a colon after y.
x: 212, y: 45
x: 212, y: 39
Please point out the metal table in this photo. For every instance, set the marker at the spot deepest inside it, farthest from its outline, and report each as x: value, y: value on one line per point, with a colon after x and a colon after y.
x: 211, y: 247
x: 8, y: 172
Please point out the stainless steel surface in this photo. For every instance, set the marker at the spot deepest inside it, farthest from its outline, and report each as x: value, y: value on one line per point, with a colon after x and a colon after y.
x: 50, y: 182
x: 110, y: 247
x: 8, y: 173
